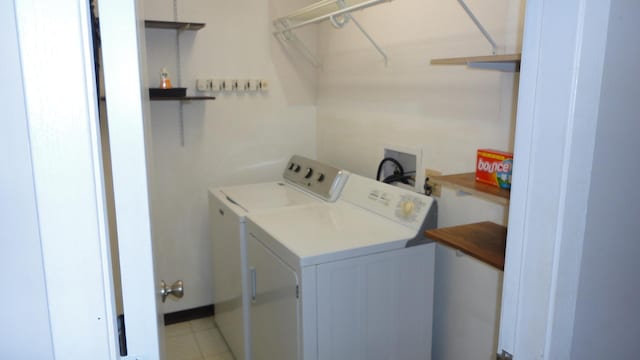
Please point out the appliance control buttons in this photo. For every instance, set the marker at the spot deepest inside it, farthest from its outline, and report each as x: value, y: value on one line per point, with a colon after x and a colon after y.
x: 321, y: 177
x: 291, y: 166
x: 297, y: 168
x: 308, y: 173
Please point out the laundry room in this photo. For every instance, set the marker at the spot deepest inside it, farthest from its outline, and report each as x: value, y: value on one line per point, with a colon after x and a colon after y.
x: 191, y: 179
x: 333, y: 95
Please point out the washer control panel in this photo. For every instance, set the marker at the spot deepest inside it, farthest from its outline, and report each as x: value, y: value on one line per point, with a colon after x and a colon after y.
x: 397, y: 204
x: 315, y: 177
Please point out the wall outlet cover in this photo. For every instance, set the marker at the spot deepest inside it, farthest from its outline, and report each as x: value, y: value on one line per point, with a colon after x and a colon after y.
x: 436, y: 188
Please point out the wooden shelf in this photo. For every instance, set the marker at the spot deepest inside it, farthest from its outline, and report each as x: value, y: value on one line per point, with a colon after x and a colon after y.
x: 507, y: 62
x: 467, y: 183
x: 181, y: 98
x: 176, y: 25
x: 485, y: 241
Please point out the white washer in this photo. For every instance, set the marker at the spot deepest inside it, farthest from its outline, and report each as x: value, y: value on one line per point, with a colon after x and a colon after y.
x: 305, y: 181
x: 350, y: 280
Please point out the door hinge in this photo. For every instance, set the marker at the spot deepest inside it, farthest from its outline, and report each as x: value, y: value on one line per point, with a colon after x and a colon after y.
x: 504, y: 355
x: 122, y: 336
x: 297, y: 291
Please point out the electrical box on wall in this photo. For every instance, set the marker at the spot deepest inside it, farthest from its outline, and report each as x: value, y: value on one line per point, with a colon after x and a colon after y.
x: 403, y: 168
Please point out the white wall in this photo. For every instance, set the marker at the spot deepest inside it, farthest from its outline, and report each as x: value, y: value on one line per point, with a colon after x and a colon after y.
x: 446, y: 111
x: 237, y: 138
x: 25, y: 331
x: 606, y: 322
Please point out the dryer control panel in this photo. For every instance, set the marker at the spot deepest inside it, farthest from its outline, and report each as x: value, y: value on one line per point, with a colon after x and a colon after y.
x: 317, y: 178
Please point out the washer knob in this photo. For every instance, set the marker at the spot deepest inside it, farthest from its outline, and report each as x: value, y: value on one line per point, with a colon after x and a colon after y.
x: 297, y: 169
x: 321, y: 177
x: 407, y: 207
x: 308, y: 173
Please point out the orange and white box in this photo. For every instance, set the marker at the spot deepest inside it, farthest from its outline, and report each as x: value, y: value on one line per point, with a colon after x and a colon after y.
x: 494, y: 167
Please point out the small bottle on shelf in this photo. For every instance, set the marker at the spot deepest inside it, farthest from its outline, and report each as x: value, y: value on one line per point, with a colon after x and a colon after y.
x: 165, y: 83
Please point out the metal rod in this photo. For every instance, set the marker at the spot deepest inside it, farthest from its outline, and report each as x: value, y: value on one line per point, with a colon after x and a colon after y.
x: 384, y: 55
x: 478, y: 25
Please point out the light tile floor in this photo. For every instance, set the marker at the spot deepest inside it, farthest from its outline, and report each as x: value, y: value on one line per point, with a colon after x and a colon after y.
x: 195, y: 340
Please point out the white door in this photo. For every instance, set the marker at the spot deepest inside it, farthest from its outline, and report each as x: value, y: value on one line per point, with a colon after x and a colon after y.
x: 56, y: 59
x: 274, y: 305
x: 123, y: 54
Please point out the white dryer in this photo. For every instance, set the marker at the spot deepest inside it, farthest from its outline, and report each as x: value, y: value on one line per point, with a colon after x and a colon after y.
x: 350, y: 280
x: 305, y: 181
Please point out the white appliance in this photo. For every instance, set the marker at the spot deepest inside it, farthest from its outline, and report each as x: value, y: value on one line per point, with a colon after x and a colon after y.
x: 349, y: 280
x: 305, y: 181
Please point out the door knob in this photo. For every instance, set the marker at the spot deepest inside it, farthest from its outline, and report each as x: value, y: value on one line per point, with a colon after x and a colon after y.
x: 177, y: 289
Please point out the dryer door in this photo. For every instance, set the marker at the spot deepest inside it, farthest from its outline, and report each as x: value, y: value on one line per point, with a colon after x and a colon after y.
x: 274, y: 304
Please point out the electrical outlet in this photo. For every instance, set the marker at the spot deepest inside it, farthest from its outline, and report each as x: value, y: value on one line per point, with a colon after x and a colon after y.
x: 436, y: 188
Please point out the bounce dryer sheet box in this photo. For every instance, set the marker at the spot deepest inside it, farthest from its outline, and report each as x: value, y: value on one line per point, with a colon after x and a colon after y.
x: 493, y: 167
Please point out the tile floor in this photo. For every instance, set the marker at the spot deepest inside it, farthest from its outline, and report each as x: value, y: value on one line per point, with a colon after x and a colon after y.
x: 195, y: 340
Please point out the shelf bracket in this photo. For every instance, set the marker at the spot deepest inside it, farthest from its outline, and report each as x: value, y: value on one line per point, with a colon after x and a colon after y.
x: 286, y: 36
x: 482, y: 29
x: 375, y: 45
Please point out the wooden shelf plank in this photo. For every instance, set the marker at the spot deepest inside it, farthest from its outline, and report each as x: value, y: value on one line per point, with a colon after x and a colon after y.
x: 477, y: 59
x: 508, y: 62
x: 181, y: 98
x: 467, y: 183
x: 176, y: 25
x: 485, y: 241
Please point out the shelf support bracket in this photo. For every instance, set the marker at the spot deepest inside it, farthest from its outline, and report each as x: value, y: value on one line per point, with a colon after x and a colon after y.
x: 375, y: 45
x: 482, y: 29
x: 286, y: 36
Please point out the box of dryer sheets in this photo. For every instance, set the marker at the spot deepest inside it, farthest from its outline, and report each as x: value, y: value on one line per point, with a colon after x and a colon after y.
x: 493, y: 167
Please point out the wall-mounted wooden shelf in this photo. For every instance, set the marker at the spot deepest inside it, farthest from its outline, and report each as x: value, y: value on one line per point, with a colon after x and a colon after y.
x: 467, y: 183
x: 181, y: 98
x: 485, y: 241
x: 176, y: 25
x: 507, y: 62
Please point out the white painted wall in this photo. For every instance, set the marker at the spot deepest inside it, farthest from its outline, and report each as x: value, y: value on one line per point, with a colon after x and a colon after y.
x: 447, y: 111
x: 238, y: 138
x: 25, y: 331
x: 606, y: 314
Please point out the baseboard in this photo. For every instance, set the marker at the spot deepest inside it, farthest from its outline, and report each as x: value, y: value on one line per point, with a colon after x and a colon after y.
x: 189, y: 314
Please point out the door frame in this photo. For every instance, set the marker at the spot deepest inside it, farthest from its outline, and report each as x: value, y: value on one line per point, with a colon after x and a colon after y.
x: 127, y: 103
x: 561, y: 73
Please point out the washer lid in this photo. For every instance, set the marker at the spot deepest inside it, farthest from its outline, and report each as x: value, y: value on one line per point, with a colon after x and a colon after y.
x: 318, y: 233
x: 255, y: 197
